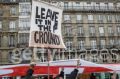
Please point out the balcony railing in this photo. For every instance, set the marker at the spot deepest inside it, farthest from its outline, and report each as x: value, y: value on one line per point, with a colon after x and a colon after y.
x: 1, y: 12
x: 91, y: 8
x: 68, y: 35
x: 9, y: 1
x: 110, y: 34
x: 80, y: 34
x: 79, y: 21
x: 76, y: 48
x: 92, y: 34
x: 101, y: 34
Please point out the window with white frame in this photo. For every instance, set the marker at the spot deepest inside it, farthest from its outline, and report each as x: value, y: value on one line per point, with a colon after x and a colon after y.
x: 100, y: 18
x: 25, y: 0
x: 106, y: 5
x: 80, y: 30
x: 111, y: 41
x: 12, y: 0
x: 97, y: 6
x: 81, y: 44
x: 117, y: 18
x: 24, y: 24
x: 12, y: 25
x: 79, y: 17
x: 23, y: 38
x: 109, y: 18
x: 24, y: 9
x: 66, y: 17
x: 118, y: 29
x: 102, y: 43
x: 90, y: 17
x: 0, y: 25
x: 0, y: 40
x: 93, y: 43
x: 69, y: 45
x: 13, y: 10
x: 110, y: 30
x: 77, y: 5
x: 101, y: 31
x: 119, y: 42
x: 11, y: 40
x: 92, y: 30
x: 68, y: 30
x: 66, y: 5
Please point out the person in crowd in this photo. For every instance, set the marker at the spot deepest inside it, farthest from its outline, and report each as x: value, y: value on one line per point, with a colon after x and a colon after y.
x: 73, y: 74
x: 92, y: 76
x: 30, y: 71
x: 61, y: 75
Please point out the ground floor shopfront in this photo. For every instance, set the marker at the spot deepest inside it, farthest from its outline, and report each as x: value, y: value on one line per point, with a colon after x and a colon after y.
x: 80, y: 76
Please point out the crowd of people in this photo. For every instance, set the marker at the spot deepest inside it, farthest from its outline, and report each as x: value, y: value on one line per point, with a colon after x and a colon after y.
x: 72, y: 75
x: 30, y: 71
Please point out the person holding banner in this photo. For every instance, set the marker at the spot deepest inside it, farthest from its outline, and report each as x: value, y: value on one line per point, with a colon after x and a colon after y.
x: 61, y: 75
x: 74, y: 73
x: 30, y: 71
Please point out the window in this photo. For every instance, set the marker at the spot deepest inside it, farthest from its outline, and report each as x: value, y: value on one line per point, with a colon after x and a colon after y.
x: 118, y: 30
x: 92, y: 30
x: 13, y: 10
x: 11, y: 40
x: 24, y: 24
x: 66, y: 17
x: 69, y: 45
x: 90, y: 17
x: 102, y: 43
x: 24, y: 9
x: 106, y: 5
x: 118, y: 42
x: 12, y: 25
x: 93, y: 44
x: 23, y: 38
x: 24, y: 0
x: 12, y: 0
x: 68, y: 31
x: 81, y: 44
x: 117, y: 18
x: 97, y: 6
x: 80, y: 30
x: 110, y: 30
x: 0, y: 40
x: 100, y: 18
x: 0, y: 25
x: 65, y: 5
x: 101, y: 31
x: 111, y: 41
x: 109, y: 18
x: 79, y: 17
x: 77, y: 6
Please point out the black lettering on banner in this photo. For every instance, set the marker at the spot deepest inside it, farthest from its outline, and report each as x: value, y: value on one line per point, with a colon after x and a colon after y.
x: 37, y: 16
x: 46, y: 38
x: 49, y: 13
x: 35, y: 37
x: 40, y: 37
x: 44, y: 19
x: 42, y: 13
x: 45, y: 35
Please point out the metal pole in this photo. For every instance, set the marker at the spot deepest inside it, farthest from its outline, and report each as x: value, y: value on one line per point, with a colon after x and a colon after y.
x: 48, y: 63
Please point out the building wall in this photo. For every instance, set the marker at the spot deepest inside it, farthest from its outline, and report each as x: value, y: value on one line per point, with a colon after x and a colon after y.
x: 90, y: 29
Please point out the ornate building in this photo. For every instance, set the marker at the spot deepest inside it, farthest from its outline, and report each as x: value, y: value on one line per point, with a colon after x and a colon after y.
x: 90, y: 29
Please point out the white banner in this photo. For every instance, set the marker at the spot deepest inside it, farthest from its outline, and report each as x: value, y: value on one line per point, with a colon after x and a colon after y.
x: 45, y: 28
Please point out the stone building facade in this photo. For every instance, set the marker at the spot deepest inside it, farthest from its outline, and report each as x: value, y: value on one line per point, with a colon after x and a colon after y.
x: 90, y: 29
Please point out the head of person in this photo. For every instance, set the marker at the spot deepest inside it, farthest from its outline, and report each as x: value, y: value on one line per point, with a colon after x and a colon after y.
x: 32, y: 65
